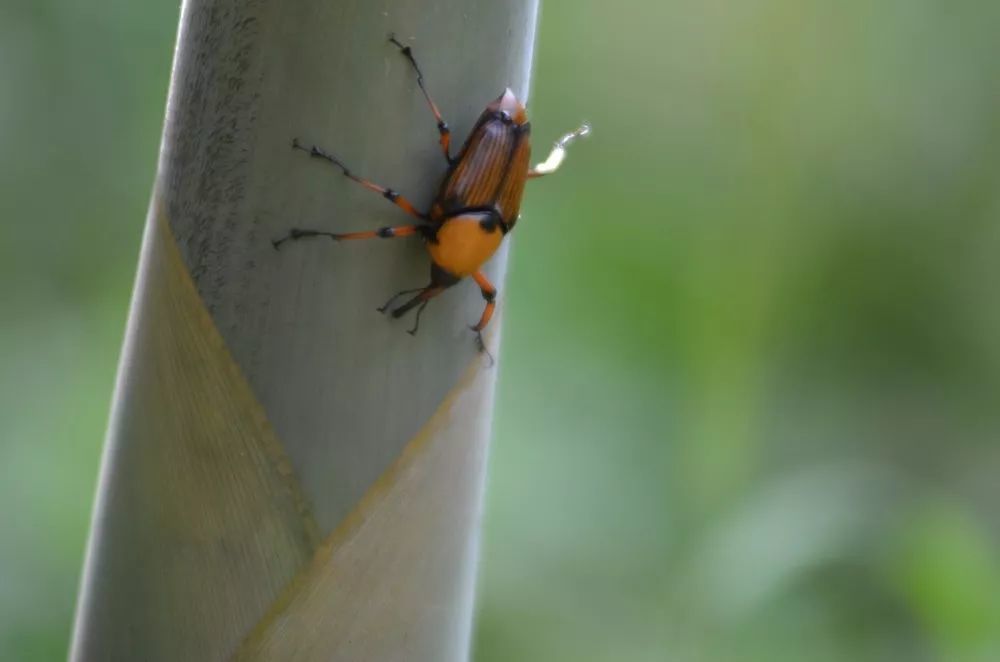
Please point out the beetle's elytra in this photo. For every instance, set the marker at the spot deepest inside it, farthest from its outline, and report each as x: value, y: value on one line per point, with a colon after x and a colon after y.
x: 476, y: 205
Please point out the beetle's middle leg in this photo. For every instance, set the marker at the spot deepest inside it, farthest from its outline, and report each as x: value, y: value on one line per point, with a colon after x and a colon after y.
x: 442, y: 126
x: 392, y: 196
x: 382, y: 233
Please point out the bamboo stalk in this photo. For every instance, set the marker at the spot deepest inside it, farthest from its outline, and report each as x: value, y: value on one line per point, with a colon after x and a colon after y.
x: 288, y: 474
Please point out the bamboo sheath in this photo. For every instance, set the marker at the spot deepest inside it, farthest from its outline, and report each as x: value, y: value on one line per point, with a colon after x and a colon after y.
x: 288, y: 475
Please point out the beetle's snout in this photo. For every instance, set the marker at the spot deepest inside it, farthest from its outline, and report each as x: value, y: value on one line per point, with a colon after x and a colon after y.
x: 508, y: 98
x: 508, y: 103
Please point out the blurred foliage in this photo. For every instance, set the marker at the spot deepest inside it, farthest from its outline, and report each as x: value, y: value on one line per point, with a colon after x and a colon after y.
x: 750, y: 391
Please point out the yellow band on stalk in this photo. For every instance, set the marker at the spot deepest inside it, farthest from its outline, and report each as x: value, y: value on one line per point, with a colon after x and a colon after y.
x: 240, y: 551
x: 201, y: 521
x: 399, y: 568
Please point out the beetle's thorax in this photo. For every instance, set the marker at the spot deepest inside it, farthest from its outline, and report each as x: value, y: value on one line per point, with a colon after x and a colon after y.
x: 464, y: 242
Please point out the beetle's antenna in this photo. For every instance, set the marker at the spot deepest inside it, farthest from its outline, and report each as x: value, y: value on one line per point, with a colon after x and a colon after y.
x: 395, y: 296
x: 582, y: 131
x: 558, y: 153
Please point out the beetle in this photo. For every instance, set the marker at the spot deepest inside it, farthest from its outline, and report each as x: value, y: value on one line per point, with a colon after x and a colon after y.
x: 476, y: 205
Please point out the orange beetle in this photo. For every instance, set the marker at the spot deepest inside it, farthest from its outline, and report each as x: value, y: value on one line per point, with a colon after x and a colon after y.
x: 476, y: 205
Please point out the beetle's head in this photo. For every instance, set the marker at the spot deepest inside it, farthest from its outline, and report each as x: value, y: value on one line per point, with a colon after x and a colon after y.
x: 508, y: 103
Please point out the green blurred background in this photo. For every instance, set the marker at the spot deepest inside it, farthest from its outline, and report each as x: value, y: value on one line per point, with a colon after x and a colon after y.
x: 750, y: 391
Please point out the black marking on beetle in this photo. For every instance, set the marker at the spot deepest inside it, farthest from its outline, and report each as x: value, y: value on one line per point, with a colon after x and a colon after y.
x: 441, y: 277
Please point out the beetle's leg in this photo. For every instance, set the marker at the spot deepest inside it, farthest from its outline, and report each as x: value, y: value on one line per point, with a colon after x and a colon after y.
x: 387, y: 193
x: 426, y: 294
x: 381, y: 233
x: 558, y: 153
x: 490, y: 295
x: 442, y: 126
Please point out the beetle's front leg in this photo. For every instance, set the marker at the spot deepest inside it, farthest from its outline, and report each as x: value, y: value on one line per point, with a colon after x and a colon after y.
x: 443, y: 131
x: 558, y: 153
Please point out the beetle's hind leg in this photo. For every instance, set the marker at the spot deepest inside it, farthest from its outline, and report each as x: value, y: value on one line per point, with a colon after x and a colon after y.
x: 443, y: 130
x: 489, y: 295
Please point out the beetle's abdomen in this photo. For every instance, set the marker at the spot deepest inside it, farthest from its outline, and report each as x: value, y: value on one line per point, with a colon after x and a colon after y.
x: 490, y: 170
x: 462, y: 244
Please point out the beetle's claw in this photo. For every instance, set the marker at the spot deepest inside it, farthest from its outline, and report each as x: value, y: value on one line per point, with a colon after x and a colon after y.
x: 481, y: 346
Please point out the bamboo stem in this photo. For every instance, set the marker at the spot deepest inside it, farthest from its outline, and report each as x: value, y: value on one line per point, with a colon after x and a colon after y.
x: 266, y: 415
